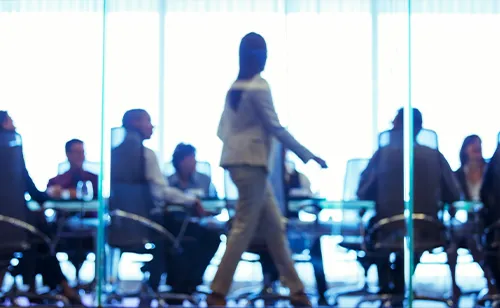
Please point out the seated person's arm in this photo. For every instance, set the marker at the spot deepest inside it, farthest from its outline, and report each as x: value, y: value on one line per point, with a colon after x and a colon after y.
x: 450, y: 189
x: 36, y: 195
x: 368, y: 179
x: 159, y: 187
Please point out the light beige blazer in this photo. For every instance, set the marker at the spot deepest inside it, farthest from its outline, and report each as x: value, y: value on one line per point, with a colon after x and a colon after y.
x: 247, y: 133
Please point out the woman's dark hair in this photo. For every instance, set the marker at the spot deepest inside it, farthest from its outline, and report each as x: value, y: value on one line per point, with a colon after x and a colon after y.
x: 464, y: 158
x: 3, y: 117
x: 182, y: 151
x: 253, y: 57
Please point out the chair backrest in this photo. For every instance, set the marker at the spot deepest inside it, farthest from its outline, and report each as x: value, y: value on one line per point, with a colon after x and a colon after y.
x: 201, y: 167
x: 129, y: 191
x: 388, y: 234
x: 425, y: 137
x: 12, y: 190
x: 353, y: 171
x: 92, y: 167
x: 350, y: 223
x: 390, y: 177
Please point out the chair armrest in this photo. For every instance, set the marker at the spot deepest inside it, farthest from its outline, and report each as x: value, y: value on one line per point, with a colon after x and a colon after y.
x: 144, y: 221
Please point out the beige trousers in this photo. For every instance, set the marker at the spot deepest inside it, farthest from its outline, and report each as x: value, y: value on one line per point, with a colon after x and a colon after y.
x: 257, y: 216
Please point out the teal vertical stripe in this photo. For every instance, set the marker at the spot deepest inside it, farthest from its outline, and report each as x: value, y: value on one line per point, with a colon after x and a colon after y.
x: 161, y: 79
x: 374, y: 13
x: 102, y: 202
x: 408, y: 187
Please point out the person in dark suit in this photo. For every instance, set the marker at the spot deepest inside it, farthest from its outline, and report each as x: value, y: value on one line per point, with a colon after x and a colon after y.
x: 470, y: 177
x: 383, y: 182
x: 185, y: 270
x: 33, y: 260
x: 490, y: 197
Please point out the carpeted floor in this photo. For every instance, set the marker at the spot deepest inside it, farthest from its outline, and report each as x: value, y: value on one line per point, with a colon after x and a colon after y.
x: 432, y: 277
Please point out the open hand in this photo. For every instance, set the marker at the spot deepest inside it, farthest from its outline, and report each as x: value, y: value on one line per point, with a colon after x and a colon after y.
x: 54, y: 191
x: 320, y: 162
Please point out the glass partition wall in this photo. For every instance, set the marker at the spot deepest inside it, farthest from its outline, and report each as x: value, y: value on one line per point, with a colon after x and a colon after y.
x: 51, y: 59
x: 339, y: 72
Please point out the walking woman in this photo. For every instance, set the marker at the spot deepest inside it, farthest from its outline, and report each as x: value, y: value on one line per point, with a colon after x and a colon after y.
x: 247, y: 126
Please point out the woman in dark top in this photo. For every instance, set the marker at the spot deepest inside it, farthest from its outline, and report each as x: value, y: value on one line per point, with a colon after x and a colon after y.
x: 470, y: 177
x: 37, y: 259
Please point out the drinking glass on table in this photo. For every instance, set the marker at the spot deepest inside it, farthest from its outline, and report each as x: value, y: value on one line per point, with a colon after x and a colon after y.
x: 84, y: 191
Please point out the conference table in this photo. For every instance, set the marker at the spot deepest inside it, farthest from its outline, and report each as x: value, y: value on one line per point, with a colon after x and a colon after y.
x: 345, y: 213
x: 93, y: 205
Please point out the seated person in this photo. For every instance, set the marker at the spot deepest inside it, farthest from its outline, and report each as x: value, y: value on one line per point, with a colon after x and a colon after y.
x: 184, y: 271
x: 37, y: 258
x: 75, y: 152
x: 383, y: 182
x: 66, y: 183
x: 490, y: 196
x: 186, y: 178
x: 470, y: 177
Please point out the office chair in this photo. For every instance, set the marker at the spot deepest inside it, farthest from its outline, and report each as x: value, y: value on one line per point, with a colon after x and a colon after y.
x: 353, y: 230
x: 388, y: 193
x: 388, y: 235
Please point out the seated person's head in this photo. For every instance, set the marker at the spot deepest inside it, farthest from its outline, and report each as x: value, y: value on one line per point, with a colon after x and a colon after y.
x: 138, y: 120
x: 6, y: 122
x: 75, y: 153
x: 398, y: 122
x: 184, y: 160
x: 471, y: 151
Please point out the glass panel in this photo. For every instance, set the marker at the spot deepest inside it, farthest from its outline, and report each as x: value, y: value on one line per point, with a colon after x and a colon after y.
x: 132, y: 81
x: 454, y: 76
x: 394, y: 192
x: 50, y: 77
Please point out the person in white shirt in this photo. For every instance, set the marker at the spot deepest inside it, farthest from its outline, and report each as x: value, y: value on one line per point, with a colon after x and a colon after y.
x: 184, y: 271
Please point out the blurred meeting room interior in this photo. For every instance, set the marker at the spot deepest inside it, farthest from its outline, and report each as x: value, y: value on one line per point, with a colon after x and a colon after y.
x: 347, y: 78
